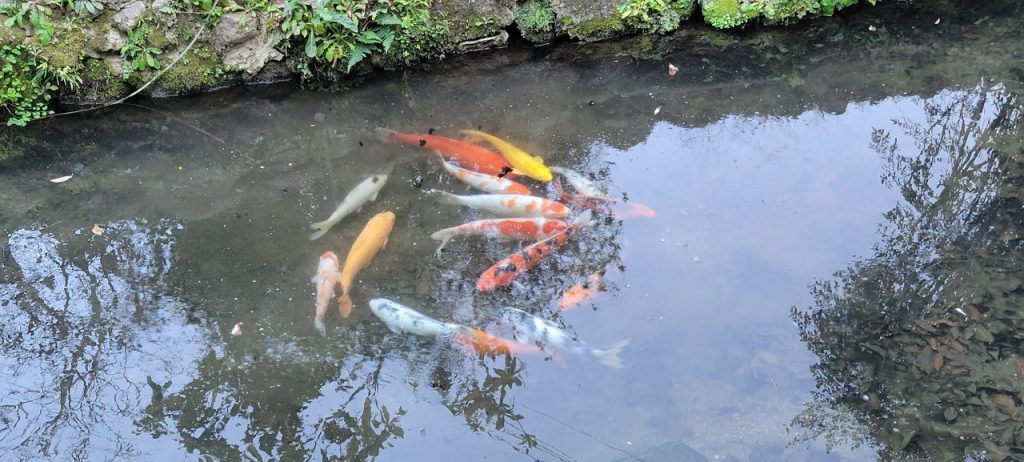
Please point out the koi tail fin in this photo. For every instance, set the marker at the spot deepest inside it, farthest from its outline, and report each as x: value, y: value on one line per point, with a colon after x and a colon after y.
x: 345, y: 304
x: 387, y: 135
x: 321, y: 228
x: 320, y: 326
x: 444, y: 236
x: 444, y: 197
x: 584, y: 219
x: 610, y: 356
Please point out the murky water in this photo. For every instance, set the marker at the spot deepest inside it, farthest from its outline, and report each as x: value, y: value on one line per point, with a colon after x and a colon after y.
x: 872, y: 183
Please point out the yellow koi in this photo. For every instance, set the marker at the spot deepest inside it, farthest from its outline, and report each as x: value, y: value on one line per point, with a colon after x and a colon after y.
x: 371, y: 240
x: 522, y: 162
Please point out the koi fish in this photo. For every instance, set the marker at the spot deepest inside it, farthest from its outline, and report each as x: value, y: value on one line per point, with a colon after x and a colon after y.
x: 522, y: 162
x: 371, y: 240
x: 468, y: 155
x: 400, y: 318
x: 580, y: 183
x: 491, y: 344
x: 528, y: 326
x: 634, y: 209
x: 365, y: 191
x: 581, y: 292
x: 508, y: 205
x: 521, y: 229
x: 327, y: 278
x: 503, y: 272
x: 483, y: 182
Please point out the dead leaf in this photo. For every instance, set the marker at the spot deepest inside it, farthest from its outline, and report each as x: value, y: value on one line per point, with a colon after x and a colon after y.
x: 97, y: 230
x: 672, y: 70
x: 973, y: 312
x: 937, y: 361
x: 933, y: 343
x: 237, y: 330
x: 61, y: 179
x: 1005, y: 402
x: 1020, y: 367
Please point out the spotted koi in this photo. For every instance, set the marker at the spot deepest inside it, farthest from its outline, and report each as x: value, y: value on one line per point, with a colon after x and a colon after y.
x: 511, y: 229
x: 487, y: 183
x: 508, y: 205
x: 505, y: 271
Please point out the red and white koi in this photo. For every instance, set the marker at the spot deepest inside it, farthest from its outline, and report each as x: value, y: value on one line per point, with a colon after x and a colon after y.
x: 529, y: 328
x: 507, y: 229
x: 505, y: 271
x: 508, y: 205
x: 581, y: 292
x: 487, y: 183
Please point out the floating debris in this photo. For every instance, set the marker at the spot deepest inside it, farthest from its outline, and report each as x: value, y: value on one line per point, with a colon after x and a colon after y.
x: 672, y: 70
x: 237, y: 330
x: 61, y: 179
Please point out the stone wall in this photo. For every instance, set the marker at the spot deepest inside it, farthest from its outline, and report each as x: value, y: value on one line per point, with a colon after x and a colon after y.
x: 100, y: 50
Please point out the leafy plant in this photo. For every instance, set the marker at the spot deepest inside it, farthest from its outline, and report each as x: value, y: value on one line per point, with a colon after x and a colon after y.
x: 348, y: 31
x: 24, y: 91
x: 38, y: 15
x: 88, y: 8
x: 655, y: 16
x: 211, y: 9
x: 137, y: 53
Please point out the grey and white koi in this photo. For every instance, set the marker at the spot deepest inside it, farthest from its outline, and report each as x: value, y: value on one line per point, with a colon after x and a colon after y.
x: 400, y: 318
x: 365, y: 191
x: 529, y: 328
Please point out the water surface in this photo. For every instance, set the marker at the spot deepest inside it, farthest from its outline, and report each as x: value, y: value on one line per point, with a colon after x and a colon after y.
x: 894, y: 154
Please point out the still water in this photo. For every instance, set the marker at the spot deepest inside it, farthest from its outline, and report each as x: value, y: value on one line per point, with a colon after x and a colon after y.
x: 833, y: 272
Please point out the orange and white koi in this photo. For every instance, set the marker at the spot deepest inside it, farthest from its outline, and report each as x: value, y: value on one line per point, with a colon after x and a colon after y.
x: 511, y: 229
x: 508, y: 205
x: 468, y: 155
x: 327, y: 279
x: 488, y: 183
x: 505, y: 271
x: 486, y: 343
x: 580, y: 183
x: 581, y: 292
x: 534, y: 329
x: 371, y: 240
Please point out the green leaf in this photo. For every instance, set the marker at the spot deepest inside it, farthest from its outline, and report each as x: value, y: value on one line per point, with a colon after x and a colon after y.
x: 389, y: 37
x: 347, y: 23
x: 311, y: 46
x: 357, y: 54
x: 389, y: 20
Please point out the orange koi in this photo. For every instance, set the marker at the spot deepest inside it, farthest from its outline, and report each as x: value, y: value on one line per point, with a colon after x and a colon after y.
x: 489, y: 344
x: 371, y: 240
x: 503, y: 272
x: 581, y: 292
x: 466, y: 154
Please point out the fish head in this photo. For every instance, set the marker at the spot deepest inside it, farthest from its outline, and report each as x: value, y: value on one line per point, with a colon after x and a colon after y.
x: 328, y: 261
x: 382, y: 307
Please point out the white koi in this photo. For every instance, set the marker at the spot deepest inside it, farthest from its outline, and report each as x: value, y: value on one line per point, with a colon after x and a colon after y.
x: 364, y: 192
x: 400, y: 318
x: 530, y: 328
x: 580, y: 183
x: 508, y: 205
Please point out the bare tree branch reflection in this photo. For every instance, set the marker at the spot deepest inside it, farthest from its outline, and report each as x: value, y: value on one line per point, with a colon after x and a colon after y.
x: 919, y: 346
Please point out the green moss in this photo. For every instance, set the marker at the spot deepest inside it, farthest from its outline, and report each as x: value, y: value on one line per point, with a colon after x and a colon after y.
x: 655, y: 16
x: 66, y: 48
x: 535, y: 20
x: 196, y: 71
x: 643, y: 47
x: 99, y: 84
x: 725, y: 14
x: 482, y: 26
x: 597, y: 28
x: 785, y: 11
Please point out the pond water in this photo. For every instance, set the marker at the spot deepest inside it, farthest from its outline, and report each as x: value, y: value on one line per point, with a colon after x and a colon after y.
x: 832, y: 272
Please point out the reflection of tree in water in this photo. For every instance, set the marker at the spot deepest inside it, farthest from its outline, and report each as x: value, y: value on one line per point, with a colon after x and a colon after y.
x: 74, y: 343
x: 919, y: 347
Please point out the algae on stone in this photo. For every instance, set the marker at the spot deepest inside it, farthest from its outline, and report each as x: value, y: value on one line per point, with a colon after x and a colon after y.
x: 535, y: 20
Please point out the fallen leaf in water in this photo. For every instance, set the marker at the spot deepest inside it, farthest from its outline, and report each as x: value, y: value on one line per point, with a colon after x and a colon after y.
x: 672, y: 70
x: 657, y: 110
x: 1005, y: 402
x: 937, y: 361
x: 973, y: 312
x: 237, y: 330
x: 933, y: 343
x: 61, y: 179
x: 1020, y: 367
x: 97, y: 230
